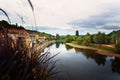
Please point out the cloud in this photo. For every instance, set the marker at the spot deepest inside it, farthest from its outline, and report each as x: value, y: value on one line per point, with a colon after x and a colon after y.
x: 54, y: 15
x: 109, y: 19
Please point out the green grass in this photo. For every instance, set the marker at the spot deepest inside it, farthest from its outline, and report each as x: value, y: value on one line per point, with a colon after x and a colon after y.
x: 102, y: 47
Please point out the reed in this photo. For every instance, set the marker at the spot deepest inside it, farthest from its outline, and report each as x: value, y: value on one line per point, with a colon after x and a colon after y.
x: 5, y: 15
x: 24, y: 63
x: 16, y: 64
x: 31, y: 5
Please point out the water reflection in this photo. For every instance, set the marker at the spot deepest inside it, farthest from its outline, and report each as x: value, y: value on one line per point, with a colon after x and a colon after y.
x: 68, y: 47
x: 57, y: 44
x: 99, y: 59
x: 81, y: 64
x: 116, y: 65
x: 90, y: 54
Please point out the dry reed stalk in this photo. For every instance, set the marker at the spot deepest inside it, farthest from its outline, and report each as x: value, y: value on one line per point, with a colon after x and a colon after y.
x: 5, y: 15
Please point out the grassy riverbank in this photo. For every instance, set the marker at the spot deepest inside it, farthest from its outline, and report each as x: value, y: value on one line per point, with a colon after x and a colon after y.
x: 96, y: 49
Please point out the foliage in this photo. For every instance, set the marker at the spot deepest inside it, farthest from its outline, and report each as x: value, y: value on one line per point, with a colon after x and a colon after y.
x: 115, y: 36
x: 37, y: 41
x: 48, y: 36
x: 77, y: 33
x: 79, y: 40
x: 5, y: 24
x: 57, y: 37
x: 69, y: 38
x: 99, y: 38
x: 86, y: 40
x: 117, y: 47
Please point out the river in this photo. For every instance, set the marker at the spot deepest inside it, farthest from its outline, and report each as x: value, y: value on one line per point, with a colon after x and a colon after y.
x: 76, y: 64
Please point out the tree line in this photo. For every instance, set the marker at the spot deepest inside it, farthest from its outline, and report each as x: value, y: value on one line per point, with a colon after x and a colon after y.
x: 98, y: 38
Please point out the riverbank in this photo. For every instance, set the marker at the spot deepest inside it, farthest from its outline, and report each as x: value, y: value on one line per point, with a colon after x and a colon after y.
x: 44, y: 45
x: 99, y: 51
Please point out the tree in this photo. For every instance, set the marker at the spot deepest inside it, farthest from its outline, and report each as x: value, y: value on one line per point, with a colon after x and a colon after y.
x: 57, y: 37
x: 77, y: 33
x: 79, y: 40
x: 69, y: 38
x: 4, y: 23
x: 117, y: 47
x: 86, y: 40
x: 99, y: 38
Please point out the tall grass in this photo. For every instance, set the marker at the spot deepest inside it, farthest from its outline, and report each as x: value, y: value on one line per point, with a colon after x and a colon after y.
x: 21, y: 18
x: 16, y: 64
x: 24, y: 63
x: 31, y: 5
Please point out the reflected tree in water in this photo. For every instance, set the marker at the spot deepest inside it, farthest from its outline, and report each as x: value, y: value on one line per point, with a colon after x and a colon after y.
x: 57, y: 44
x: 90, y: 54
x: 115, y: 65
x: 68, y: 47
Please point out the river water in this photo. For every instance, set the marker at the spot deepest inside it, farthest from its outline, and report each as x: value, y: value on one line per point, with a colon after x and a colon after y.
x: 76, y: 64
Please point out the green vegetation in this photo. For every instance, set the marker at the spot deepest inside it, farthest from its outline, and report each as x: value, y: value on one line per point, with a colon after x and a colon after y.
x: 77, y: 33
x: 48, y: 36
x: 102, y: 47
x: 117, y: 47
x: 97, y: 40
x: 37, y: 41
x: 69, y: 38
x: 57, y: 37
x: 5, y: 24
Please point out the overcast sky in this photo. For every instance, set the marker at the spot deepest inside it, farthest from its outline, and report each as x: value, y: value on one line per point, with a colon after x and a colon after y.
x: 65, y: 16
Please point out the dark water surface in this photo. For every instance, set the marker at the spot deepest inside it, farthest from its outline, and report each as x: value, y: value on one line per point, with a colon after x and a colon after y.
x: 76, y: 64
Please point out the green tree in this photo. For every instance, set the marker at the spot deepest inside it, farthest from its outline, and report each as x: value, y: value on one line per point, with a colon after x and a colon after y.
x: 77, y: 33
x: 57, y: 37
x: 69, y: 38
x: 86, y: 40
x: 117, y: 47
x: 99, y: 38
x: 79, y: 40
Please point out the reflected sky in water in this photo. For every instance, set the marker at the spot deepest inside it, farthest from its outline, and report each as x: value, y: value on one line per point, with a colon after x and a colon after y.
x: 76, y: 64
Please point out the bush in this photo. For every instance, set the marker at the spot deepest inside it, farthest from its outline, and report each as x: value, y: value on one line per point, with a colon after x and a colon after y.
x: 79, y: 40
x: 69, y: 39
x: 37, y: 41
x: 117, y: 47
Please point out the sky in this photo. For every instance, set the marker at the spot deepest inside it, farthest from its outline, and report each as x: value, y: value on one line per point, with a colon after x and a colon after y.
x: 65, y: 16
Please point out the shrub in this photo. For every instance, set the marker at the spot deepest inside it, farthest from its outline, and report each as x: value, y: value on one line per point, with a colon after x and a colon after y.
x: 117, y: 47
x: 37, y: 41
